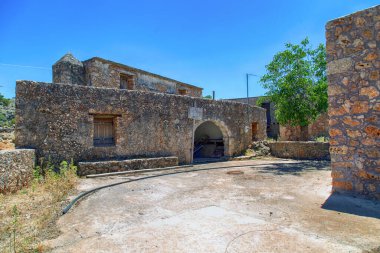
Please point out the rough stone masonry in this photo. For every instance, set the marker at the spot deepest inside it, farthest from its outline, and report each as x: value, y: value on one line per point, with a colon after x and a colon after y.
x: 16, y: 169
x: 354, y: 103
x: 58, y: 121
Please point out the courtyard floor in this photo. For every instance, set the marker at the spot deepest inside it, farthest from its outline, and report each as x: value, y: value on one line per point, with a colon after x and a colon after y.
x: 266, y: 205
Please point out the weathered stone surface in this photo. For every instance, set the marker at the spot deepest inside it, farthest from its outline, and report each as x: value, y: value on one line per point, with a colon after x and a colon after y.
x: 335, y: 132
x: 371, y: 92
x: 87, y: 168
x: 354, y: 102
x: 335, y: 150
x: 349, y: 121
x: 334, y: 90
x: 372, y: 131
x: 57, y: 120
x: 339, y: 66
x: 16, y: 169
x: 354, y: 134
x: 359, y: 107
x: 304, y: 150
x: 70, y: 70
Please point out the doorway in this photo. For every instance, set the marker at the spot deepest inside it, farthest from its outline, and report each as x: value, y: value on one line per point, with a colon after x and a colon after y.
x: 208, y: 142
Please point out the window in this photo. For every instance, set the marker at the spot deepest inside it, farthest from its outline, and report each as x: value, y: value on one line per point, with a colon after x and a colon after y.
x: 104, y: 132
x: 127, y: 82
x: 182, y: 92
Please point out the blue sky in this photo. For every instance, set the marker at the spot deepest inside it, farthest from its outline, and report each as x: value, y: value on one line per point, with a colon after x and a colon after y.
x: 208, y: 43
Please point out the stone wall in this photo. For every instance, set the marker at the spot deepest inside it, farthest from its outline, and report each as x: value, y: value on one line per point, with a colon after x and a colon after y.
x: 87, y: 168
x: 57, y: 121
x: 16, y: 169
x: 303, y: 150
x: 354, y: 103
x: 320, y: 127
x: 273, y: 127
x: 288, y: 133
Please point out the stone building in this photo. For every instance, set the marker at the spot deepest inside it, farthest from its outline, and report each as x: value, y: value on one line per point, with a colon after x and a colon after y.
x: 353, y: 68
x: 98, y: 72
x: 273, y: 130
x: 101, y: 110
x: 318, y: 128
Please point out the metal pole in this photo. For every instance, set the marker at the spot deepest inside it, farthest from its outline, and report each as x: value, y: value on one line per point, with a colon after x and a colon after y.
x: 192, y: 138
x: 213, y: 95
x: 247, y: 76
x: 247, y: 90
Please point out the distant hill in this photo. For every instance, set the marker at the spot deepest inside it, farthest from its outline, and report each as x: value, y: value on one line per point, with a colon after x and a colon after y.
x: 7, y: 114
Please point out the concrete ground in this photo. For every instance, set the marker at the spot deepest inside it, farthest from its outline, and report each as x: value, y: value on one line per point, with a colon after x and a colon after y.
x: 263, y: 206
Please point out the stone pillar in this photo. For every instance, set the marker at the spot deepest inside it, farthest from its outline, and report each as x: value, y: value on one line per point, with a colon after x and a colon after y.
x: 69, y: 70
x: 353, y: 65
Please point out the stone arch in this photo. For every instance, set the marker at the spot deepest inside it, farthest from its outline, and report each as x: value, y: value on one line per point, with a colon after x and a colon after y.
x: 215, y: 130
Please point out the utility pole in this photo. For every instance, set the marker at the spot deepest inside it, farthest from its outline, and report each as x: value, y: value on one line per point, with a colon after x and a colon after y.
x: 247, y: 79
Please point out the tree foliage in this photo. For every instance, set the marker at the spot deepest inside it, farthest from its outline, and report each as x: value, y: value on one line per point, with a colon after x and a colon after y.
x: 297, y: 84
x: 4, y: 101
x: 7, y: 112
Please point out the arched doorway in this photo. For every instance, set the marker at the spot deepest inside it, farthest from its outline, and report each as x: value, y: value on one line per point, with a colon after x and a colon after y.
x: 208, y: 141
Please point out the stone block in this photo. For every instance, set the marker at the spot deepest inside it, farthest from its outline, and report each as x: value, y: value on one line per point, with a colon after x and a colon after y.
x: 16, y: 169
x: 342, y: 185
x: 339, y: 66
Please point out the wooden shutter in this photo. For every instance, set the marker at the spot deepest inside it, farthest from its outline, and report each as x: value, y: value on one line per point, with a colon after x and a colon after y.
x: 104, y: 132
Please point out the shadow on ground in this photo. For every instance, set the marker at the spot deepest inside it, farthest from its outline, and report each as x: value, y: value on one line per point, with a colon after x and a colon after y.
x: 352, y: 205
x: 295, y: 168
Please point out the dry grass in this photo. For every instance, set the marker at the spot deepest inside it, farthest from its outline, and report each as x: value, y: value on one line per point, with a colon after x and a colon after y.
x: 28, y: 216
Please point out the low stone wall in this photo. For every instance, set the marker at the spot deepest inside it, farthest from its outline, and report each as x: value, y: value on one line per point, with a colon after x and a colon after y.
x: 320, y: 127
x: 16, y: 169
x: 87, y: 168
x: 303, y: 150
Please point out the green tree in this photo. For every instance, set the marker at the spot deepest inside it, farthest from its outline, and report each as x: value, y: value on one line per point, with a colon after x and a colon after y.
x: 4, y: 101
x: 297, y: 84
x: 207, y: 97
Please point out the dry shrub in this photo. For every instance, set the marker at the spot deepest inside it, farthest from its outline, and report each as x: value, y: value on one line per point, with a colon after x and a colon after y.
x: 28, y: 216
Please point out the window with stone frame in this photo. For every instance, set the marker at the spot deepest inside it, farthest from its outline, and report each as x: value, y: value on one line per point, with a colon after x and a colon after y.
x: 127, y: 82
x: 182, y: 92
x: 104, y: 131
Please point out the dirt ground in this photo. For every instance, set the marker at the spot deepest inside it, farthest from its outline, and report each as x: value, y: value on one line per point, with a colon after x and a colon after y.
x: 7, y: 141
x: 252, y: 206
x: 6, y: 145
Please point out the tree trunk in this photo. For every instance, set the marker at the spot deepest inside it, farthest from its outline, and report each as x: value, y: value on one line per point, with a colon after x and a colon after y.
x: 304, y: 133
